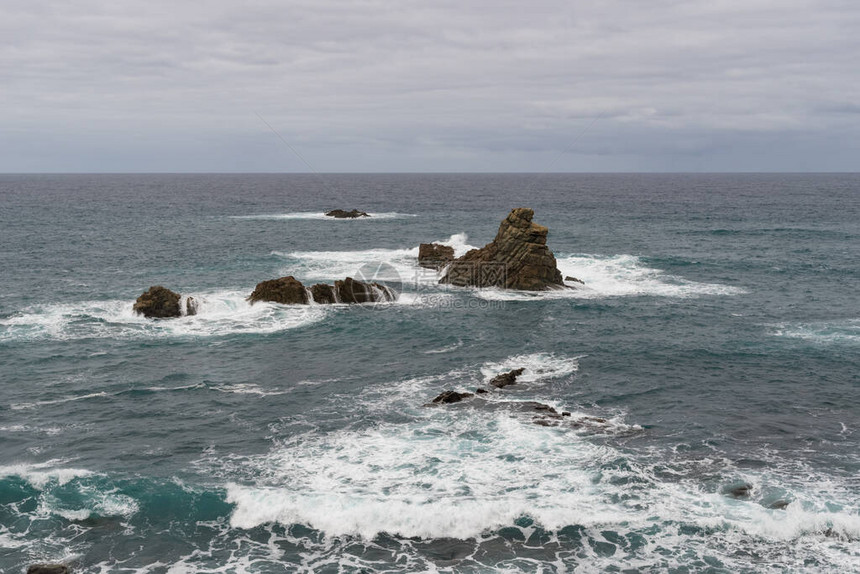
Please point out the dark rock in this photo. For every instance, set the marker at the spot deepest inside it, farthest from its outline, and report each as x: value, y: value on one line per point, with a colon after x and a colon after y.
x: 434, y: 256
x: 351, y: 291
x: 779, y: 504
x: 48, y: 569
x: 739, y: 490
x: 323, y: 294
x: 286, y: 290
x: 448, y: 397
x: 481, y: 391
x: 191, y: 306
x: 158, y: 303
x: 517, y: 258
x: 570, y: 279
x: 505, y: 379
x: 341, y: 214
x: 565, y: 414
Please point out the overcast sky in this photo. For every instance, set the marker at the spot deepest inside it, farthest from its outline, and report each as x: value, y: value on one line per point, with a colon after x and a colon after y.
x: 388, y: 86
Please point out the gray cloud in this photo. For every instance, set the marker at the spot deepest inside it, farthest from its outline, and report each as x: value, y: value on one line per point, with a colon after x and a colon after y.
x: 430, y: 86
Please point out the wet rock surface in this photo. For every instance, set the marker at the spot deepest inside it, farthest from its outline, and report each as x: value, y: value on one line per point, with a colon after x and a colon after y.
x: 158, y: 303
x: 518, y: 258
x: 506, y: 379
x: 343, y: 214
x: 285, y: 290
x: 434, y: 256
x: 48, y: 569
x: 323, y: 294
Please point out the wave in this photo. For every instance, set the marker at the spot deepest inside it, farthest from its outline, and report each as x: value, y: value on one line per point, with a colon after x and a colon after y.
x: 219, y: 313
x: 331, y: 265
x: 614, y: 276
x: 842, y: 332
x: 604, y: 276
x: 321, y: 216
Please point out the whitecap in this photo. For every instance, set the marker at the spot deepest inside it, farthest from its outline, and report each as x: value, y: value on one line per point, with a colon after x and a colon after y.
x: 219, y: 313
x: 844, y: 332
x: 612, y: 276
x: 321, y: 216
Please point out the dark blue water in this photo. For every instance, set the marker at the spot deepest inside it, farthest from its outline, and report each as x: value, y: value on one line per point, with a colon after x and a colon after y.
x: 716, y: 344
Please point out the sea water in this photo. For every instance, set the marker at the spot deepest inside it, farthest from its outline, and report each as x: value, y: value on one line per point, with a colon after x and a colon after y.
x: 709, y: 362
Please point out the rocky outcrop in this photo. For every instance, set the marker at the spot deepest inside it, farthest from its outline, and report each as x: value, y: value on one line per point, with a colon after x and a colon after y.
x: 158, y: 303
x: 191, y: 306
x: 285, y: 290
x: 351, y: 291
x: 505, y: 379
x: 290, y: 291
x: 323, y: 294
x: 570, y: 279
x: 341, y: 214
x: 434, y: 256
x: 48, y: 569
x: 518, y: 258
x: 448, y: 397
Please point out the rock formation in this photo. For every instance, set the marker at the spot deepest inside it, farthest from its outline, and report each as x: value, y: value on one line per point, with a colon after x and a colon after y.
x: 290, y: 291
x: 158, y: 303
x: 351, y: 291
x: 341, y: 214
x: 505, y: 379
x: 286, y: 290
x: 434, y: 256
x: 517, y: 258
x: 48, y: 569
x: 191, y: 306
x: 448, y: 397
x: 323, y: 294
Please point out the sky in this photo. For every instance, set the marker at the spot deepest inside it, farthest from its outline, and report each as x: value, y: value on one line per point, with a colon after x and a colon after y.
x: 419, y: 86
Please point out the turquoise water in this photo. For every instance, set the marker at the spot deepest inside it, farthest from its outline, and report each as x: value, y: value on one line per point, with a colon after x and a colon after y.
x: 718, y: 336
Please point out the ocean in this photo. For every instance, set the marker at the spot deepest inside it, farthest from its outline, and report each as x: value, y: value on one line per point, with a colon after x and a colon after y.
x: 710, y: 363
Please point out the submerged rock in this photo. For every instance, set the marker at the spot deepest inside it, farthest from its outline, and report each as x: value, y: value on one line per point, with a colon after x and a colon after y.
x: 517, y: 258
x: 191, y: 306
x: 352, y: 291
x: 48, y: 569
x: 570, y: 279
x: 158, y: 303
x: 323, y: 294
x: 779, y: 504
x: 505, y: 379
x: 286, y: 290
x: 434, y: 256
x: 448, y: 397
x: 341, y: 214
x: 739, y: 490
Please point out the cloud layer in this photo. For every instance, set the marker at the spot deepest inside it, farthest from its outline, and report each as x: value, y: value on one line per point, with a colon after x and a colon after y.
x: 615, y: 85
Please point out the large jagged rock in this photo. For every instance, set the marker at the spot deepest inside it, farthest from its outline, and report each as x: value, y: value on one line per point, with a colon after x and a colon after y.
x: 434, y: 256
x: 517, y: 258
x: 341, y: 214
x: 286, y: 290
x: 158, y: 303
x: 351, y: 291
x: 323, y: 294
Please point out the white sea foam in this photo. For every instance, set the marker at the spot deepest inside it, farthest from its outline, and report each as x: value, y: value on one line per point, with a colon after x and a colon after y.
x: 331, y: 265
x: 219, y: 313
x: 537, y: 367
x: 613, y: 276
x: 844, y: 332
x: 464, y: 473
x: 40, y: 475
x: 321, y: 216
